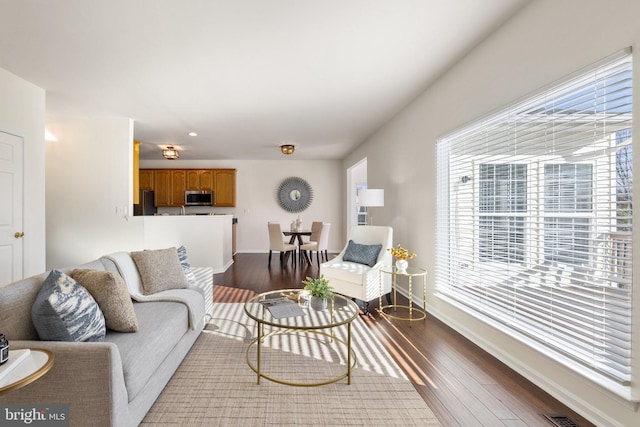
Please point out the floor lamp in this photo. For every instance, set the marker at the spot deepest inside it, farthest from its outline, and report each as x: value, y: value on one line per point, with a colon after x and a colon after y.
x: 371, y: 197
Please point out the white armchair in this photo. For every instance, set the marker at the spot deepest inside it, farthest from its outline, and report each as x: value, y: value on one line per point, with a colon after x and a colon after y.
x: 357, y: 280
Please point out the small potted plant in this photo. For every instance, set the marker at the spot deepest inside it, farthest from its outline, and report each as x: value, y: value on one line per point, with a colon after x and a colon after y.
x: 320, y: 291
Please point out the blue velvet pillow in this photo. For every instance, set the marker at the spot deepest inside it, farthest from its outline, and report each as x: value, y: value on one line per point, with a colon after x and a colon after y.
x: 65, y: 311
x: 362, y: 254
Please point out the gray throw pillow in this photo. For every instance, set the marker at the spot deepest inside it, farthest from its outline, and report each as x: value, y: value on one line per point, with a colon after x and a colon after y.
x: 159, y: 270
x: 66, y: 311
x: 112, y: 295
x: 362, y: 254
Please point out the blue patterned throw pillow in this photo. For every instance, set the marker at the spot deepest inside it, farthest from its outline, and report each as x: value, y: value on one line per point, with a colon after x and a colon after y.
x: 362, y: 254
x: 186, y: 267
x: 66, y: 311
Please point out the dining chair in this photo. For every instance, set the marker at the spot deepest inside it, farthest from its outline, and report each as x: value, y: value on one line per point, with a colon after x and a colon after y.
x: 277, y: 243
x: 318, y: 241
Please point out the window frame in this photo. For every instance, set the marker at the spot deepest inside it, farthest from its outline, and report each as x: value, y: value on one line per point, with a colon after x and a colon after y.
x: 455, y: 265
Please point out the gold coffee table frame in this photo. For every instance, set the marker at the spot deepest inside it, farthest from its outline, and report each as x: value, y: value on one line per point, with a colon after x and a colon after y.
x: 345, y: 314
x: 410, y: 272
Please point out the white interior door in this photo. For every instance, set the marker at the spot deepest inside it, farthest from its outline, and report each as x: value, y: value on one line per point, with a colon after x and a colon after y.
x: 11, y: 206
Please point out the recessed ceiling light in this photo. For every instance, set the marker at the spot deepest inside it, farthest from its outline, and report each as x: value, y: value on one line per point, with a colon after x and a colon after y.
x: 193, y: 134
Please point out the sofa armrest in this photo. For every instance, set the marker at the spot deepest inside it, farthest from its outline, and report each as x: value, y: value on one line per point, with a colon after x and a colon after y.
x: 85, y: 375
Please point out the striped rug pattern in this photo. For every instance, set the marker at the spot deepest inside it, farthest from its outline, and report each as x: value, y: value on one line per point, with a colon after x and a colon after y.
x: 215, y: 387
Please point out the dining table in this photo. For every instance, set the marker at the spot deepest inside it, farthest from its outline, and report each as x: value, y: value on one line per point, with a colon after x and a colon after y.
x: 298, y: 234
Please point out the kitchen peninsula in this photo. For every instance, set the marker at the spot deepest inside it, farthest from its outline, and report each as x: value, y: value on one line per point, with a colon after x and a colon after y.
x: 208, y: 238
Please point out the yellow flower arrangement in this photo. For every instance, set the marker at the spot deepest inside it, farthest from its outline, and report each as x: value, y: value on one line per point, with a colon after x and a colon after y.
x: 401, y: 253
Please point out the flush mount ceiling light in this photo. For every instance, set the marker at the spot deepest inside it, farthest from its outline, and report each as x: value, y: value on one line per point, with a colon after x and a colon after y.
x: 287, y: 148
x: 170, y: 153
x: 192, y: 134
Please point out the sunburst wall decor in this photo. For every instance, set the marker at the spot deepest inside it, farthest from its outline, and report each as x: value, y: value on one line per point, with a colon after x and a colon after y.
x: 294, y: 194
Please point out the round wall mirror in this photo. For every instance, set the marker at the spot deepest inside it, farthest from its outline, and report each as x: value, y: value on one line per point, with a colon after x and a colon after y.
x: 294, y: 194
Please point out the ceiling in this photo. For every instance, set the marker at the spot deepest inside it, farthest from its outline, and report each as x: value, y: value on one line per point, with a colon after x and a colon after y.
x: 246, y: 75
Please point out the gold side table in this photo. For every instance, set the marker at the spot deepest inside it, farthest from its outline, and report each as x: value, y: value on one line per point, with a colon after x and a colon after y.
x: 35, y: 365
x: 415, y: 313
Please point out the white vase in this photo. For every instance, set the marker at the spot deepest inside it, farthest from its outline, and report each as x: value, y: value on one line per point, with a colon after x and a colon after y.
x: 401, y: 265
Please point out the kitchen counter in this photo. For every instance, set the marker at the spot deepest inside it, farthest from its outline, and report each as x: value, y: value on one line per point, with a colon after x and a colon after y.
x: 208, y: 238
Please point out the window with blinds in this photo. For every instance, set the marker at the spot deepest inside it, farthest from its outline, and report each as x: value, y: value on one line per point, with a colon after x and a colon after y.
x: 534, y: 219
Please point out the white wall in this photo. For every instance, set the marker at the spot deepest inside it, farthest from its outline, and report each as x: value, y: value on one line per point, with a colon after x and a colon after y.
x: 546, y: 41
x: 88, y: 190
x: 257, y: 182
x: 22, y: 112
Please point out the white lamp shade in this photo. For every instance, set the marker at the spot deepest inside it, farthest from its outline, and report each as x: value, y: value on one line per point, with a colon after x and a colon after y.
x: 371, y: 197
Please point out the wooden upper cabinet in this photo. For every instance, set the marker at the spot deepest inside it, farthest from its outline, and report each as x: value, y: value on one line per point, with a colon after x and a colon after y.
x: 169, y: 185
x: 162, y: 187
x: 193, y: 179
x: 146, y: 179
x: 224, y: 181
x: 199, y: 179
x: 206, y: 179
x: 178, y: 186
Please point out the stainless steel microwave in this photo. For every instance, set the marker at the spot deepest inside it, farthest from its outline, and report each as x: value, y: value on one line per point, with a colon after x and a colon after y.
x: 198, y: 198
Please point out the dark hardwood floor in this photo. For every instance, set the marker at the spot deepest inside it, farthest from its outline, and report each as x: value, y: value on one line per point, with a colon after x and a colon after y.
x: 461, y: 383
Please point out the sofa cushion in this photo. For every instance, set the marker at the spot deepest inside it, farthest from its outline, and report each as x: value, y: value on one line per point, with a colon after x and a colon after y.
x: 362, y: 254
x: 160, y: 270
x: 66, y: 311
x: 161, y: 326
x: 186, y: 267
x: 111, y: 294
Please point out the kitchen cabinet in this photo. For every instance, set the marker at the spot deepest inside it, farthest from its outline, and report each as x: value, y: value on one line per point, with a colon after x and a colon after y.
x: 178, y: 186
x: 162, y: 187
x: 206, y: 179
x: 224, y: 181
x: 199, y: 179
x: 169, y: 185
x: 146, y: 179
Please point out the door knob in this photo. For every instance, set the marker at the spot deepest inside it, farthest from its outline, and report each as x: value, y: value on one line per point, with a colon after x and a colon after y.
x: 18, y: 235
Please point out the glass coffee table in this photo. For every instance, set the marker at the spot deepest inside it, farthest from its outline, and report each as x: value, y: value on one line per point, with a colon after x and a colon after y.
x: 308, y: 323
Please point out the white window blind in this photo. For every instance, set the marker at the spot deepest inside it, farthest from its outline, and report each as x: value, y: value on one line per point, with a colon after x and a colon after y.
x: 534, y: 219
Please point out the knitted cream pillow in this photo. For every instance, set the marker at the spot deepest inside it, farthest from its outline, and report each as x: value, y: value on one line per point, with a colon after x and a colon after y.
x: 159, y: 270
x: 112, y: 295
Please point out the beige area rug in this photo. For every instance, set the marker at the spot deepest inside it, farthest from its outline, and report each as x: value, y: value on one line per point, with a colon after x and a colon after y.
x: 215, y: 387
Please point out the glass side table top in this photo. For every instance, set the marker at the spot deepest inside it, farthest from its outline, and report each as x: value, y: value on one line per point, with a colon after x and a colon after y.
x: 409, y: 271
x: 340, y: 310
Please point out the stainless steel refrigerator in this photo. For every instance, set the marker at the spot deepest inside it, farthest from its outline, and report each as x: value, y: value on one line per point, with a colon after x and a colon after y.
x: 146, y: 205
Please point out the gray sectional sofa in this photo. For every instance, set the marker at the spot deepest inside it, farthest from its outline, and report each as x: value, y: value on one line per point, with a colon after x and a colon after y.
x: 115, y: 382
